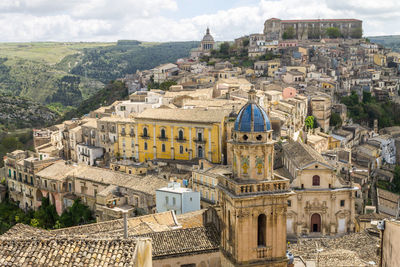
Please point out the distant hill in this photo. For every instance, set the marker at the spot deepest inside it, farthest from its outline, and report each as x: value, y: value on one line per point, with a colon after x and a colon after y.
x: 68, y: 73
x: 389, y: 41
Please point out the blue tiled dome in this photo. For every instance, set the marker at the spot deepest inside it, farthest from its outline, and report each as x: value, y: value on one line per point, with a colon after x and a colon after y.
x: 252, y: 118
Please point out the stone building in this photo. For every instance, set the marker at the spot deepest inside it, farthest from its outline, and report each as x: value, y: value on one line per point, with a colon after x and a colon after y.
x: 321, y: 110
x: 323, y: 204
x: 253, y: 199
x: 206, y: 45
x: 311, y: 28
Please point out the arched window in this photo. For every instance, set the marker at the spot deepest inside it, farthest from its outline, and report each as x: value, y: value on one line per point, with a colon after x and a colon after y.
x: 199, y: 152
x: 145, y: 132
x: 180, y: 135
x: 163, y: 147
x: 315, y: 180
x: 261, y: 230
x: 162, y: 133
x: 181, y: 149
x: 145, y: 145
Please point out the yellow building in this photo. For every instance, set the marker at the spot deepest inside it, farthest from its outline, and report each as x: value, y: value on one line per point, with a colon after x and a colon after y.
x: 273, y: 66
x: 178, y: 134
x: 126, y: 138
x: 380, y: 60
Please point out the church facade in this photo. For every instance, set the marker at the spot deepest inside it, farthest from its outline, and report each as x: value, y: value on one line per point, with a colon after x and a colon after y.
x: 323, y: 204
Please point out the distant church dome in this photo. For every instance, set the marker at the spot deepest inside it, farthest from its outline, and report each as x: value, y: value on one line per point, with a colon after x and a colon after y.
x: 252, y: 117
x: 208, y: 37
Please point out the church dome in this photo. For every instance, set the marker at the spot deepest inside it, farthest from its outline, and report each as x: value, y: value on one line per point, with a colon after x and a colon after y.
x: 208, y: 37
x: 252, y: 117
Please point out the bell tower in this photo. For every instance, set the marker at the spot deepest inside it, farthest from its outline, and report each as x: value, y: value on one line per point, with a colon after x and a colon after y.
x: 254, y: 200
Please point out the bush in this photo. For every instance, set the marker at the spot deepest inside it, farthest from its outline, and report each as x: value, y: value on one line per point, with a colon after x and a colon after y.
x: 333, y: 32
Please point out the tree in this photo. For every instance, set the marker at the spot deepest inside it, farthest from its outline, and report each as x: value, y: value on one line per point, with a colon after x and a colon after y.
x: 77, y: 214
x: 335, y: 120
x: 246, y: 42
x: 165, y: 85
x: 333, y: 32
x: 224, y: 49
x: 356, y: 33
x: 310, y: 122
x: 46, y: 215
x: 289, y: 33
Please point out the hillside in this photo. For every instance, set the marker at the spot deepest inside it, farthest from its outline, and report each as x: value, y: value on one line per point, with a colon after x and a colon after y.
x: 389, y: 41
x: 68, y: 73
x: 17, y: 112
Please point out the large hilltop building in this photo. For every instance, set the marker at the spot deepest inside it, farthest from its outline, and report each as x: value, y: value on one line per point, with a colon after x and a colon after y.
x: 311, y: 28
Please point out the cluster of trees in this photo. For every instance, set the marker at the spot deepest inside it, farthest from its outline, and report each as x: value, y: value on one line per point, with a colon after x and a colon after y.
x: 115, y: 90
x: 45, y: 216
x: 335, y: 120
x: 163, y: 86
x: 369, y: 109
x: 112, y: 62
x: 311, y: 123
x: 11, y: 142
x: 68, y: 92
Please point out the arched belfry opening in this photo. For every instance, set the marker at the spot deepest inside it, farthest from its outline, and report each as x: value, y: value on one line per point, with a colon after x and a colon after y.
x: 262, y: 230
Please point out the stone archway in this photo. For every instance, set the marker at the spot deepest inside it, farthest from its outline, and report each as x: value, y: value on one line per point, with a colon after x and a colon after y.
x: 316, y: 223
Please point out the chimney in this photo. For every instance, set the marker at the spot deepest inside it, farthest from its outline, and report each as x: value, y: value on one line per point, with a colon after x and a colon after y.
x: 125, y: 214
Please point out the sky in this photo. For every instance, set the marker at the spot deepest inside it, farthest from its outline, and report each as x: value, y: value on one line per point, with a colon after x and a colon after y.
x: 177, y: 20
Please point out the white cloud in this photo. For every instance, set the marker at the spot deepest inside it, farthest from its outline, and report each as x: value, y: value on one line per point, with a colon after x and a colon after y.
x: 110, y: 20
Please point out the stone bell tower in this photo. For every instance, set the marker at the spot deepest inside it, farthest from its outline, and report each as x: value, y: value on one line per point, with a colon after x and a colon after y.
x: 254, y: 200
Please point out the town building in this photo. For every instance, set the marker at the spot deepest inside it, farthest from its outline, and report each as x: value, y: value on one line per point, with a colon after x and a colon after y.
x: 312, y: 28
x: 206, y: 45
x: 177, y: 134
x: 179, y: 199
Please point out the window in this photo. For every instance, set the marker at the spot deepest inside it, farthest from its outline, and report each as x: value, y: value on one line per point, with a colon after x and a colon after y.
x: 166, y: 200
x: 69, y: 187
x: 315, y: 180
x: 289, y: 203
x: 342, y: 203
x: 145, y: 145
x: 95, y: 192
x: 173, y: 201
x: 145, y: 132
x: 163, y: 147
x: 163, y: 133
x: 261, y: 227
x: 180, y: 135
x: 181, y: 149
x: 200, y: 136
x: 45, y: 183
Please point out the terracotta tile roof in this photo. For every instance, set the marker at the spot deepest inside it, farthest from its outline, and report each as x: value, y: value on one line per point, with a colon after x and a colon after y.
x: 188, y: 115
x: 155, y: 222
x: 67, y: 251
x: 319, y: 20
x: 184, y: 241
x: 302, y: 155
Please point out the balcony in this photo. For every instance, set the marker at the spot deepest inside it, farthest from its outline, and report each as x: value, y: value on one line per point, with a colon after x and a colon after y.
x: 262, y: 252
x: 200, y: 141
x: 145, y: 136
x: 132, y: 134
x: 123, y: 133
x: 180, y: 140
x: 163, y: 138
